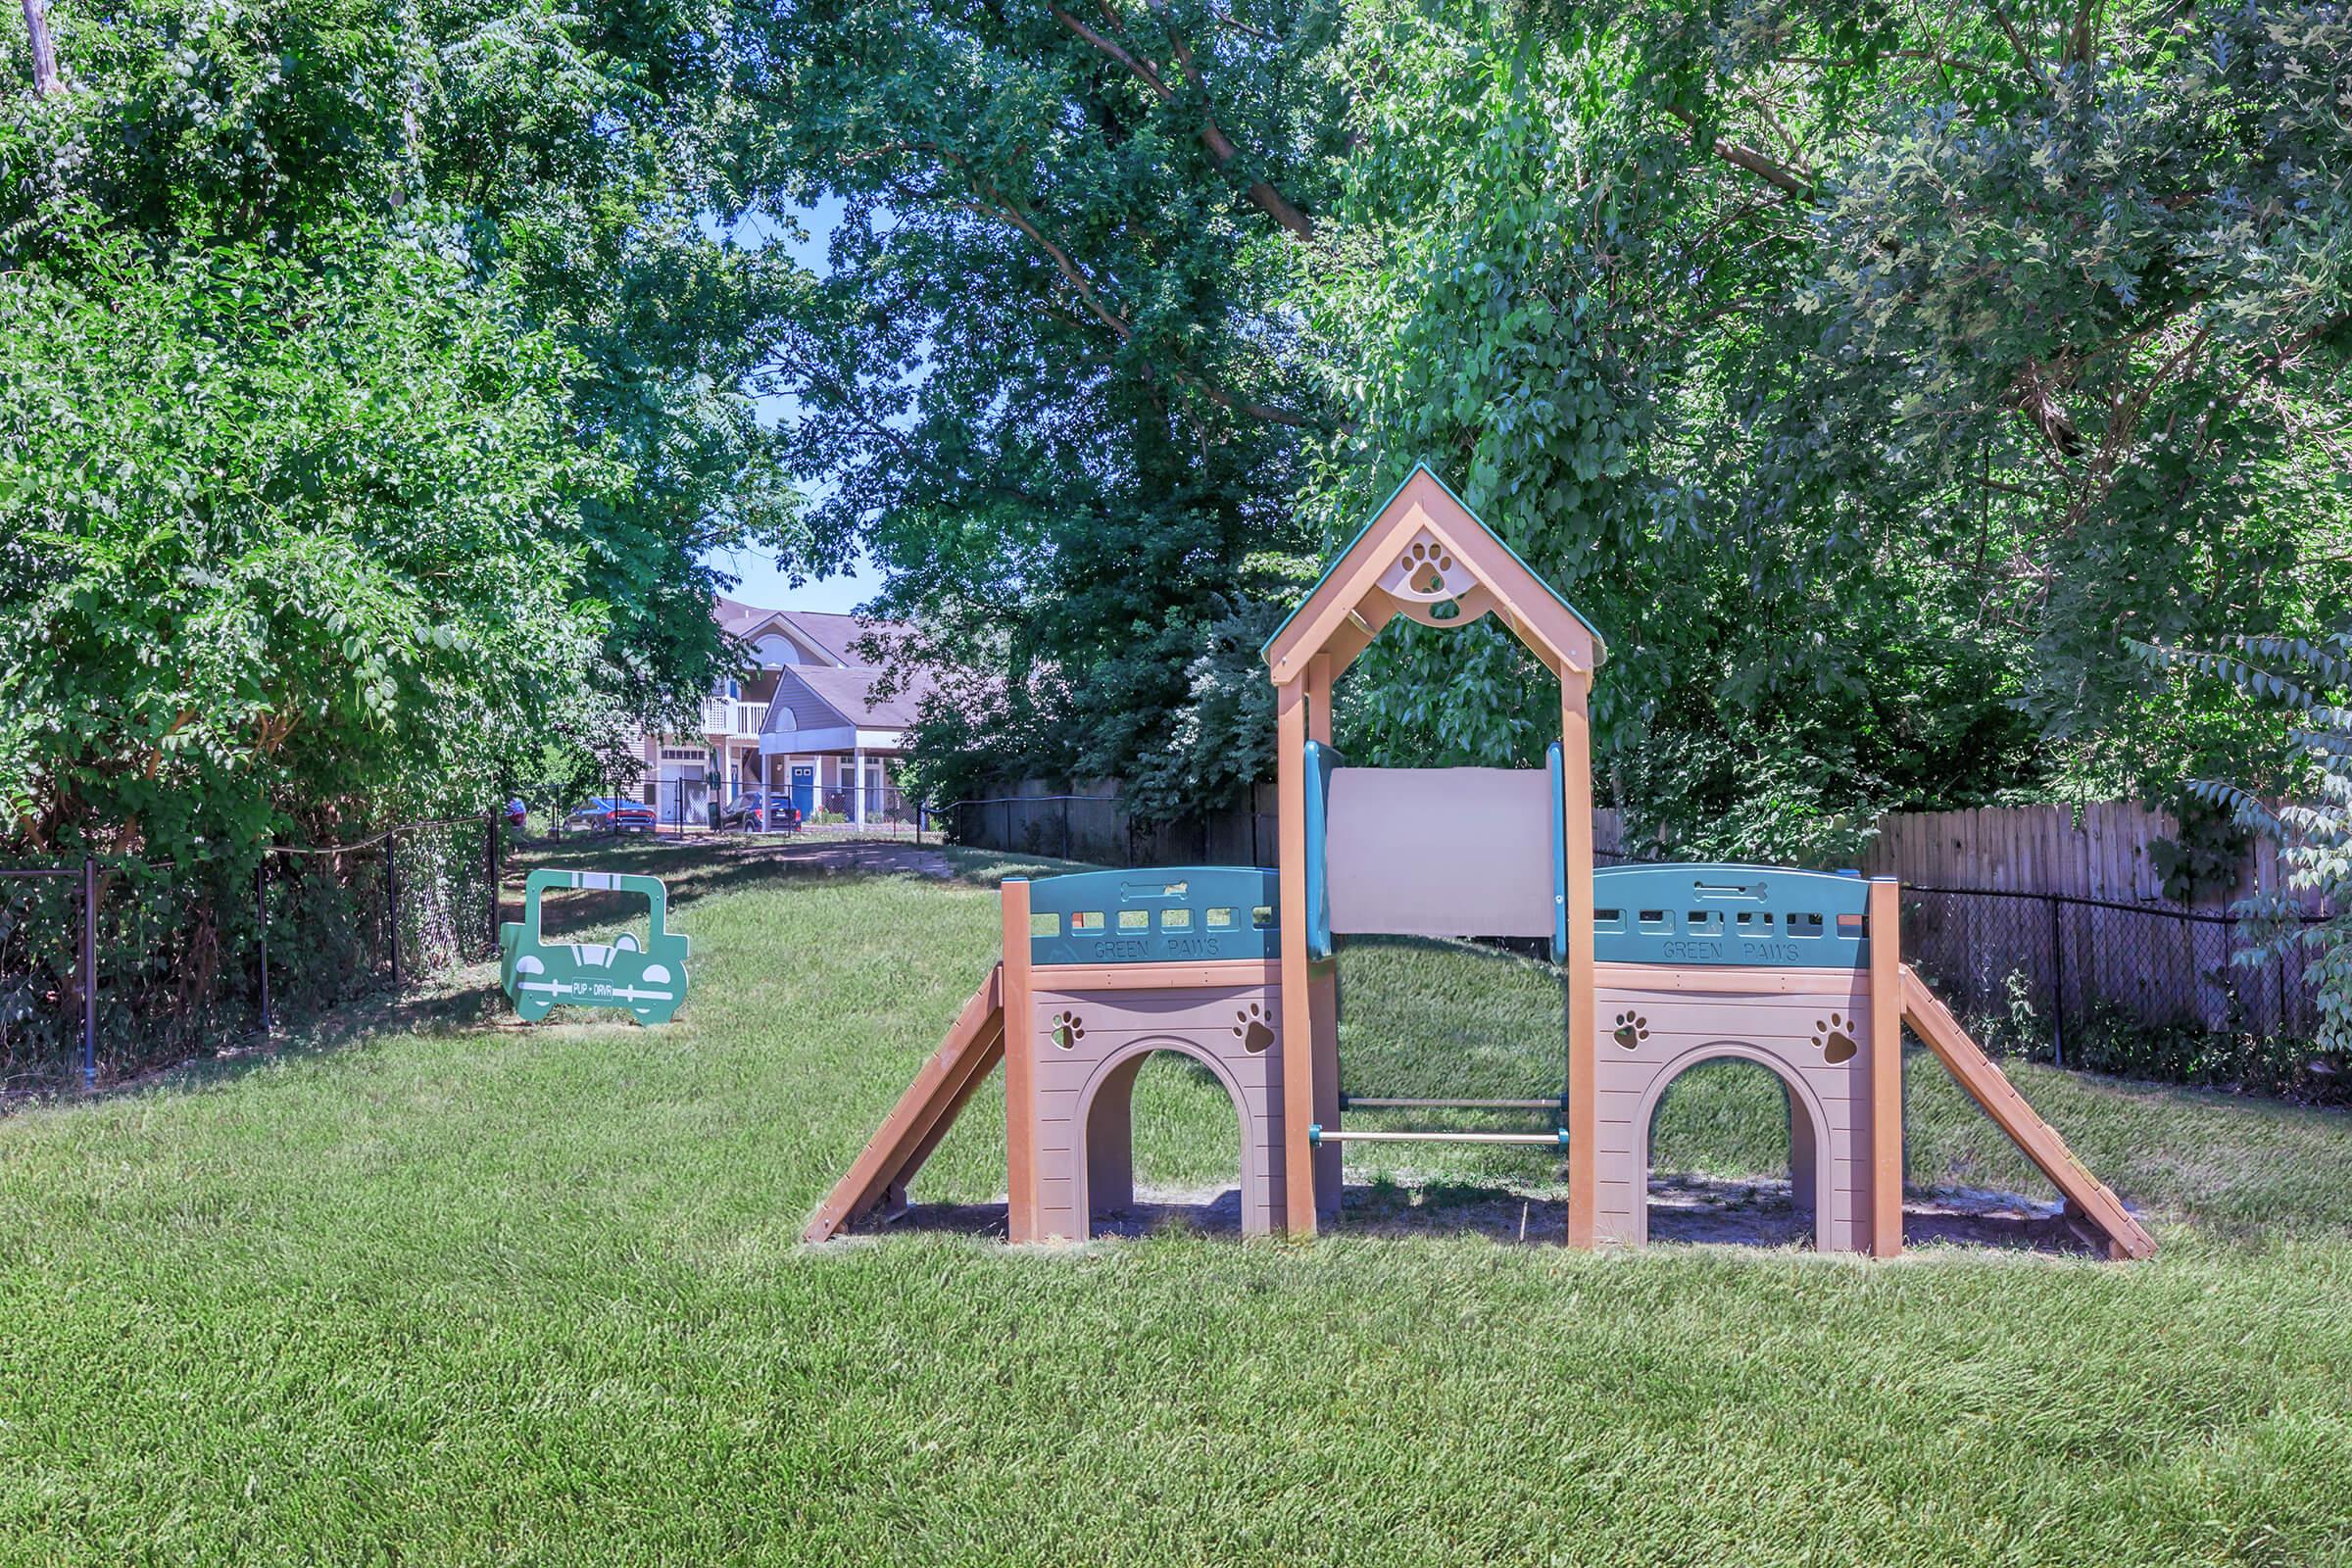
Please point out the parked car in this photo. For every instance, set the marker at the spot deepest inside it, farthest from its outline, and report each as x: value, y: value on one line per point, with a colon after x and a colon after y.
x: 754, y: 810
x: 611, y: 813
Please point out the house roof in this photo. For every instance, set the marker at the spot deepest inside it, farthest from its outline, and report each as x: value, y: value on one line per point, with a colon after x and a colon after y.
x: 831, y: 635
x: 736, y: 618
x: 820, y: 697
x: 834, y: 634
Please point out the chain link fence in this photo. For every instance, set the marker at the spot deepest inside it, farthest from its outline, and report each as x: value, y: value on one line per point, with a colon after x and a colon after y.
x: 885, y: 809
x: 2147, y: 990
x: 111, y: 967
x: 1099, y: 831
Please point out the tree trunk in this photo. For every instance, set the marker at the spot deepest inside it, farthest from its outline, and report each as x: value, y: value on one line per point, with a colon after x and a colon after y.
x: 45, y: 81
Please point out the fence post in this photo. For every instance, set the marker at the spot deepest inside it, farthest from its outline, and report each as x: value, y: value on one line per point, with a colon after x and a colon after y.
x: 2278, y: 961
x: 1065, y: 827
x: 2057, y: 988
x: 260, y: 922
x: 89, y: 973
x: 392, y: 898
x: 492, y: 823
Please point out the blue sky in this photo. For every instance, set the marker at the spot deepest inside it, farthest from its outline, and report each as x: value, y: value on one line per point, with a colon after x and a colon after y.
x: 761, y: 582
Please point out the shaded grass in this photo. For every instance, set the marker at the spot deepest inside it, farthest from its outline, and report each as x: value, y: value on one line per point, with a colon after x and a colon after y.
x: 456, y: 1290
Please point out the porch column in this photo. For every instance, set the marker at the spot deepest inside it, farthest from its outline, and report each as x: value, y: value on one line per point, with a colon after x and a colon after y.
x: 857, y: 787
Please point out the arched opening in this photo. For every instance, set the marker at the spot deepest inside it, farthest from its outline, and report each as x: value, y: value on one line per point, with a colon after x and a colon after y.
x: 1170, y: 1116
x: 1722, y: 1129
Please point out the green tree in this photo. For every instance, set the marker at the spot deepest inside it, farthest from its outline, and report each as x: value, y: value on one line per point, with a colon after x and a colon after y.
x: 282, y: 544
x: 575, y: 155
x: 1868, y: 374
x: 1054, y: 375
x: 2310, y: 682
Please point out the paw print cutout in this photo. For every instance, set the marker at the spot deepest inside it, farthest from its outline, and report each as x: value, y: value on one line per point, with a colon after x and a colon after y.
x: 1831, y: 1039
x: 1426, y: 565
x: 1254, y: 1032
x: 1632, y: 1030
x: 1067, y: 1030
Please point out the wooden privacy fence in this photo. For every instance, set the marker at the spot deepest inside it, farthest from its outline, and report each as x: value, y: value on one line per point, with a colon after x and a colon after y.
x: 2100, y: 853
x: 2064, y: 912
x: 2035, y: 968
x: 2041, y: 923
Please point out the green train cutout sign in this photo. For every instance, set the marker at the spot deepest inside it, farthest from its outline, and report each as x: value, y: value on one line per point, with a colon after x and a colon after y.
x: 648, y: 982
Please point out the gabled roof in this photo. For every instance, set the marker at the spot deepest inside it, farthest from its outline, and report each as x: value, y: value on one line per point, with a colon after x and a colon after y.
x: 834, y: 634
x: 831, y: 635
x: 1427, y: 556
x: 818, y: 696
x: 734, y: 617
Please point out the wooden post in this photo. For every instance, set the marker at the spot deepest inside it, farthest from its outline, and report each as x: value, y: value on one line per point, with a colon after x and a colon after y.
x: 1886, y: 1068
x: 1298, y: 1006
x: 1021, y: 1082
x: 1323, y: 980
x: 1584, y: 1020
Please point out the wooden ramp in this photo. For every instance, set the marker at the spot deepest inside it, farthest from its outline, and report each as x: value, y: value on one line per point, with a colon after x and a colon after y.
x: 877, y: 1179
x: 2088, y: 1200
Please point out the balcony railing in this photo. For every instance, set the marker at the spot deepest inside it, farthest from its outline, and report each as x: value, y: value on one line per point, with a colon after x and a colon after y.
x: 724, y: 715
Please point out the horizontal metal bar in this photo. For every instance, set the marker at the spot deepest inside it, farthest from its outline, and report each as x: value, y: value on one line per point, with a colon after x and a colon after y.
x: 2159, y: 911
x: 40, y: 870
x: 1317, y: 1134
x: 1369, y: 1103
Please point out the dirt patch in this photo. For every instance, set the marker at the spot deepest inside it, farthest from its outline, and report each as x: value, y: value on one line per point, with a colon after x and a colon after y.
x: 817, y: 854
x: 858, y: 858
x: 1681, y: 1208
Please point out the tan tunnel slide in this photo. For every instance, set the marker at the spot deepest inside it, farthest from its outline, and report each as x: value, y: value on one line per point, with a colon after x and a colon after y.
x: 2088, y: 1200
x: 877, y: 1179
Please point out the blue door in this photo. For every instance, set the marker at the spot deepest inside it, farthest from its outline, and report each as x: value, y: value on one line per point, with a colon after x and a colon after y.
x: 804, y: 789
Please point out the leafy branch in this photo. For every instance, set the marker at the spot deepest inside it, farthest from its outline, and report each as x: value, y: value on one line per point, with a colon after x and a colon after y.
x: 1221, y: 150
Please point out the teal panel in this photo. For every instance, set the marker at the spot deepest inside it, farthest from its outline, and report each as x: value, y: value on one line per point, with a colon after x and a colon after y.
x: 649, y: 982
x: 1167, y: 914
x: 1554, y: 768
x: 1321, y: 763
x: 1763, y: 916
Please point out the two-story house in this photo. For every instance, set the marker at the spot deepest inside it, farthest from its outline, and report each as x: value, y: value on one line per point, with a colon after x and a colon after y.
x: 801, y: 712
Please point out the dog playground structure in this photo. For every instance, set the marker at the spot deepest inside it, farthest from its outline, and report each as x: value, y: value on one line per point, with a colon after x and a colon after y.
x: 1664, y: 965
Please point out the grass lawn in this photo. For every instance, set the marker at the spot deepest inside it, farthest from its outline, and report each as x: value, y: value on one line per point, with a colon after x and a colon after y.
x: 433, y: 1288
